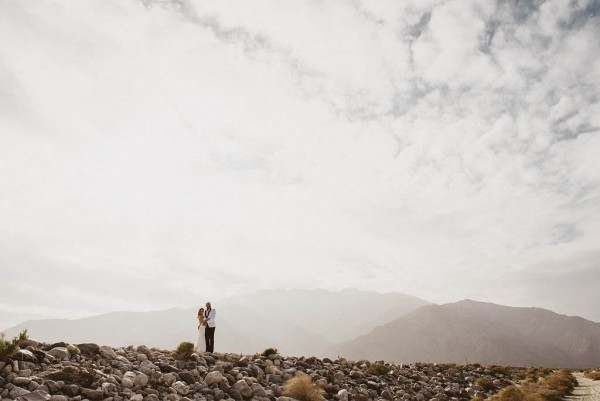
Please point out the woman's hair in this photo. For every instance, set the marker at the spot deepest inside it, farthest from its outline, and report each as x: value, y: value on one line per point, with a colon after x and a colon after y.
x: 200, y: 311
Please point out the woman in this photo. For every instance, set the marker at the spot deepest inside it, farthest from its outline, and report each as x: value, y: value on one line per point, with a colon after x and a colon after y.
x: 200, y: 344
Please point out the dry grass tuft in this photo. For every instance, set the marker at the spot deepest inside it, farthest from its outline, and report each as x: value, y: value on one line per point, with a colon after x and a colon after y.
x: 594, y: 375
x: 551, y: 388
x: 302, y: 388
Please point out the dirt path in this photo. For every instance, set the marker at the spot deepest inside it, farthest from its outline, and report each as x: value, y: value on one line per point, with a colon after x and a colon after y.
x: 587, y: 390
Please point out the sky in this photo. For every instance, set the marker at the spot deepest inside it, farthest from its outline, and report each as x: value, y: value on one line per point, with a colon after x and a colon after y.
x: 159, y: 153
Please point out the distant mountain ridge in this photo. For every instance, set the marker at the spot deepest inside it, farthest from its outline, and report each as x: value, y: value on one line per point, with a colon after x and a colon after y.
x: 297, y: 322
x: 469, y: 331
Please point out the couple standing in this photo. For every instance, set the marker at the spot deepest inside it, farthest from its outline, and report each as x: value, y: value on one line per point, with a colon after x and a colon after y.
x: 206, y: 329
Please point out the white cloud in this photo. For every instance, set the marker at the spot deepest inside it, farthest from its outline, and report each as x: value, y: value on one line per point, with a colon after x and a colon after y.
x: 156, y: 151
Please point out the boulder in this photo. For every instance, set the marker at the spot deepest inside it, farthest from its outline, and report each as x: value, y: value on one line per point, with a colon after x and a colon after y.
x: 35, y: 396
x: 243, y: 388
x: 60, y: 353
x: 107, y: 352
x: 88, y: 349
x: 181, y: 388
x: 214, y: 377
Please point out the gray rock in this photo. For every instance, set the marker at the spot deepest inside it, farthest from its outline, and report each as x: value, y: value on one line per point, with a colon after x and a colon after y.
x: 60, y: 353
x: 342, y: 395
x: 214, y: 377
x: 25, y: 373
x: 169, y: 379
x: 58, y: 398
x: 243, y: 388
x: 151, y: 397
x: 258, y: 391
x: 107, y: 352
x: 181, y: 388
x: 17, y: 392
x: 35, y: 396
x: 92, y: 394
x: 88, y: 349
x: 21, y: 381
x: 126, y: 382
x: 32, y: 385
x: 136, y: 397
x: 141, y: 380
x: 25, y: 356
x: 71, y: 390
x: 187, y: 377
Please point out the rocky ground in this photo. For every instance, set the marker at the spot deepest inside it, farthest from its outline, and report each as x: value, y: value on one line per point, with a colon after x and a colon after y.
x: 62, y: 372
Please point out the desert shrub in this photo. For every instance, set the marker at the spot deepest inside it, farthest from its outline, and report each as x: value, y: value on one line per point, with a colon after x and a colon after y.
x: 302, y: 388
x: 184, y: 350
x: 552, y: 388
x: 9, y: 348
x: 378, y: 369
x: 594, y: 375
x: 73, y: 350
x: 500, y: 370
x: 486, y: 383
x: 269, y: 351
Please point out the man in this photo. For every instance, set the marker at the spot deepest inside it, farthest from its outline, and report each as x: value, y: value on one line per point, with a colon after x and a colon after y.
x: 209, y: 335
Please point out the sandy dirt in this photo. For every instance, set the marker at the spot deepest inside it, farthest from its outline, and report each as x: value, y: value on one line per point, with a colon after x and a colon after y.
x: 587, y: 390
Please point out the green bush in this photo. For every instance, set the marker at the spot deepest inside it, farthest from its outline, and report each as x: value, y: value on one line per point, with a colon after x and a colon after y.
x: 269, y: 351
x: 302, y: 388
x: 378, y: 369
x: 9, y: 348
x: 184, y: 350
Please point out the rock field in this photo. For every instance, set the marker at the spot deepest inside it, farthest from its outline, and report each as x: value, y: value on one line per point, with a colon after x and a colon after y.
x: 63, y: 372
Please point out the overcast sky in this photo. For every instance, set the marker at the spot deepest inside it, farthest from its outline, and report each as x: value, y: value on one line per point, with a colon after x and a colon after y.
x: 159, y: 153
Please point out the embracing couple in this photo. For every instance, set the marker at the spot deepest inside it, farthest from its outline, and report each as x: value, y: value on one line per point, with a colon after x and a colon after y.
x: 206, y: 329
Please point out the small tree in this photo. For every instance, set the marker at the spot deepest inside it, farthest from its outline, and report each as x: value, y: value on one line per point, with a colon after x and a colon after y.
x: 9, y: 348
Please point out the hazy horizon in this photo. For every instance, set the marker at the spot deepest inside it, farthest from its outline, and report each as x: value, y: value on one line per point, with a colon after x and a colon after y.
x: 217, y: 301
x: 157, y: 153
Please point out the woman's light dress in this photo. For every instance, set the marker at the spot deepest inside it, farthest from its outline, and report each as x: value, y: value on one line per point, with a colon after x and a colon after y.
x: 201, y: 343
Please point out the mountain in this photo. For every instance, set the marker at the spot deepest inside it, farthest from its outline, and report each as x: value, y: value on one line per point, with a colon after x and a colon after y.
x: 469, y: 331
x: 297, y: 322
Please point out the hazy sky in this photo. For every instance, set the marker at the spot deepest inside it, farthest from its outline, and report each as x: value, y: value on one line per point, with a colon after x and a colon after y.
x: 159, y: 153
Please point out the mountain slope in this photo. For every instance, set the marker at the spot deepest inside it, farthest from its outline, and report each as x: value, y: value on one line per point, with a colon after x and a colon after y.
x: 469, y: 331
x: 297, y: 322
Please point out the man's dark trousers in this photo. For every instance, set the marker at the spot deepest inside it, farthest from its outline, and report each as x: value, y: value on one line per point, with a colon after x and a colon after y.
x: 209, y: 338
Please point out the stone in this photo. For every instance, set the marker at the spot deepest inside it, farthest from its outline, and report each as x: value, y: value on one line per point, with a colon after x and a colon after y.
x: 107, y: 352
x: 35, y: 396
x: 17, y: 392
x: 187, y: 377
x: 92, y: 394
x: 25, y: 372
x: 88, y: 349
x: 25, y: 356
x: 151, y: 397
x: 214, y: 377
x: 141, y: 380
x: 58, y: 398
x: 109, y: 389
x: 60, y: 353
x: 136, y: 397
x: 181, y: 388
x: 342, y: 395
x: 71, y: 390
x: 243, y: 388
x: 169, y: 379
x: 258, y: 391
x: 126, y: 382
x: 21, y: 381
